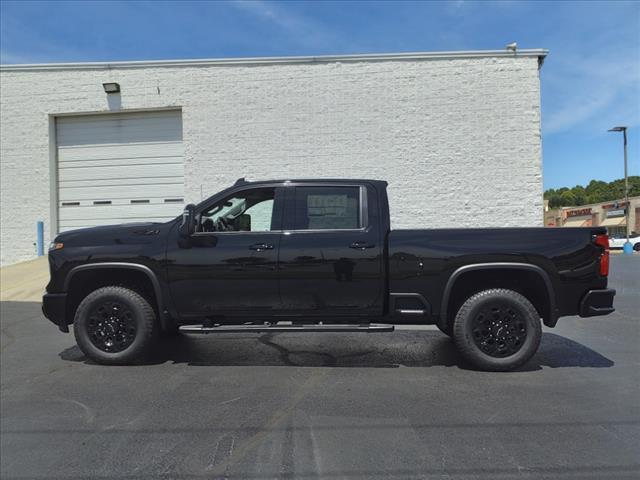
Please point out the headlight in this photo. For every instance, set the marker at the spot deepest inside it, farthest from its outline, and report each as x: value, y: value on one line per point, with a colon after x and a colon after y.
x: 55, y: 246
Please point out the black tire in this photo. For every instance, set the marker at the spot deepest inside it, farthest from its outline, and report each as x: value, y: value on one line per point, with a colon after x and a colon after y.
x: 636, y: 247
x: 497, y: 330
x: 115, y: 326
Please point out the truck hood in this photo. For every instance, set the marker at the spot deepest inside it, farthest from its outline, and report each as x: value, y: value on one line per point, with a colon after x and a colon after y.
x: 126, y: 233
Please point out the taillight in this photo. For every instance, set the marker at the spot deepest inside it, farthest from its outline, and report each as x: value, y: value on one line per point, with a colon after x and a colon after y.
x: 603, y: 241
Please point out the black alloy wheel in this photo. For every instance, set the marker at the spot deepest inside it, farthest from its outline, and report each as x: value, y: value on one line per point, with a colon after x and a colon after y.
x: 115, y: 325
x: 499, y: 330
x: 111, y: 327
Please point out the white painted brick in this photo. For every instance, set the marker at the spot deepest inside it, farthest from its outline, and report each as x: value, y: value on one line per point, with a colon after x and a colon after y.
x: 458, y: 140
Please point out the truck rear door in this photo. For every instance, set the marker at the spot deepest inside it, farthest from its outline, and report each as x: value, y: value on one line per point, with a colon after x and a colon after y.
x: 331, y: 251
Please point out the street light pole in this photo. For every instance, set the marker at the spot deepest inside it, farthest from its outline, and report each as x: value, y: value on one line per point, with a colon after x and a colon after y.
x: 627, y: 246
x: 626, y: 183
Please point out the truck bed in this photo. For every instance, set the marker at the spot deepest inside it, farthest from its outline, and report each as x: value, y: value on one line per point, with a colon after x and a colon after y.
x: 424, y: 261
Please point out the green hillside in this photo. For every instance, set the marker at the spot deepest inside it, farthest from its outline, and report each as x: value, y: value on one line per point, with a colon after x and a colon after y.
x: 597, y: 191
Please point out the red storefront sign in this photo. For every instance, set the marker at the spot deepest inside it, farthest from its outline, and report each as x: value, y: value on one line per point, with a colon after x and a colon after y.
x: 579, y: 213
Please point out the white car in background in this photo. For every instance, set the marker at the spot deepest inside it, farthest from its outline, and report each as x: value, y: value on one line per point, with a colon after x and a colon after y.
x: 618, y: 241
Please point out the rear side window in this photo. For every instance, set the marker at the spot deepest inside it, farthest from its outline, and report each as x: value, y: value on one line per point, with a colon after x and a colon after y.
x: 327, y: 208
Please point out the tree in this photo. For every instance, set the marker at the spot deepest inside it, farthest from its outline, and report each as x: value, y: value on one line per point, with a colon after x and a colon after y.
x: 555, y: 201
x: 579, y: 194
x: 568, y: 198
x: 596, y: 191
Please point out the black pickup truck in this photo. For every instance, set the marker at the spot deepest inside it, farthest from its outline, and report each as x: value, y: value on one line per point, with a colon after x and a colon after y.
x: 319, y: 255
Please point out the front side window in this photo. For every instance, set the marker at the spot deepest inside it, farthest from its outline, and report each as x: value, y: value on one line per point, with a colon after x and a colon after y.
x: 247, y: 211
x: 327, y: 208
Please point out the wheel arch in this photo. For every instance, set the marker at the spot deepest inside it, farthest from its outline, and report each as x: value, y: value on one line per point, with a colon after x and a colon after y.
x: 544, y: 298
x: 115, y: 268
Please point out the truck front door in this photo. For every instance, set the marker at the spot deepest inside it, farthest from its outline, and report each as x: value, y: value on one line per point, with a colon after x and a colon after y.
x: 331, y: 255
x: 229, y: 265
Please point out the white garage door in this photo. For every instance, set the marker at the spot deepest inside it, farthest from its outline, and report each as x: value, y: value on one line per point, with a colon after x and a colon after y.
x: 119, y: 168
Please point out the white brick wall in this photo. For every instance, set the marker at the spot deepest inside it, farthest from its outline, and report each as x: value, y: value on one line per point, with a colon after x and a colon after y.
x: 457, y: 139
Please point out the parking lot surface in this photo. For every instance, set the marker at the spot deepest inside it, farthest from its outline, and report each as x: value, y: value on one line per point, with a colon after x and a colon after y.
x: 396, y: 405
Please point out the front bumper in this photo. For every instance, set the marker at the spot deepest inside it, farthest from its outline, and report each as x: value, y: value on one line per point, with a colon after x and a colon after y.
x: 54, y: 307
x: 597, y: 302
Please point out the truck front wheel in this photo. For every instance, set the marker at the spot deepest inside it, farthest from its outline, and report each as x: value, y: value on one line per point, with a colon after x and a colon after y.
x: 497, y: 330
x: 115, y: 326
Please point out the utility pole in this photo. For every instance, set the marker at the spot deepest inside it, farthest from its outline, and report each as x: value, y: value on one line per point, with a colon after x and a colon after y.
x: 627, y: 246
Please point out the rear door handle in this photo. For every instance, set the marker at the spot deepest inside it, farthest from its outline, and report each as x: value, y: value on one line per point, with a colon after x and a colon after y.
x: 258, y: 247
x: 361, y: 245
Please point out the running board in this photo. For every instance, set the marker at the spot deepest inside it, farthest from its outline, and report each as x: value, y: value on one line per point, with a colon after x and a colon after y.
x: 365, y: 327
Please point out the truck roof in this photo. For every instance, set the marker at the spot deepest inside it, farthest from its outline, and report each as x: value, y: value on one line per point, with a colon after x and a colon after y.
x: 243, y: 181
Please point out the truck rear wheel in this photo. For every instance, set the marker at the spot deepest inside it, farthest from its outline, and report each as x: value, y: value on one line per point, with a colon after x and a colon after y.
x: 497, y: 330
x: 115, y: 326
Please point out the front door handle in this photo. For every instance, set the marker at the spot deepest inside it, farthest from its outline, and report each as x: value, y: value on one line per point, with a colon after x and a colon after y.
x: 361, y: 245
x: 258, y: 247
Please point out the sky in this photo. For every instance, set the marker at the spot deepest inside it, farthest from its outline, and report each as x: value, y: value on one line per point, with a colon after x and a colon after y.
x: 590, y: 80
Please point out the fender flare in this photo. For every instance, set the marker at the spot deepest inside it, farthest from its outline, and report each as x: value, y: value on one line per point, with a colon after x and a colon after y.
x: 553, y: 316
x: 130, y: 266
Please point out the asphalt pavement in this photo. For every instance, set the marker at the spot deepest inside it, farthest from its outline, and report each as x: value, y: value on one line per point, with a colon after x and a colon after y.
x: 396, y: 405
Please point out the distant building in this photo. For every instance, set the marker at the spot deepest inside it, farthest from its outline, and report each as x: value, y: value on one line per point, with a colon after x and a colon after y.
x: 606, y: 214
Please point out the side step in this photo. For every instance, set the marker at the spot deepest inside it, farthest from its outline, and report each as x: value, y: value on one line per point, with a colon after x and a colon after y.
x: 363, y: 327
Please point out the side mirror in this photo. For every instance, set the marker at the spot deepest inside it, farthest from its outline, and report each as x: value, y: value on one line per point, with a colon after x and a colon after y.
x: 188, y: 225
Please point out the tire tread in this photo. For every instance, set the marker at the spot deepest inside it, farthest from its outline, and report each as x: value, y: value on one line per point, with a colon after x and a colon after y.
x: 467, y: 348
x: 128, y: 356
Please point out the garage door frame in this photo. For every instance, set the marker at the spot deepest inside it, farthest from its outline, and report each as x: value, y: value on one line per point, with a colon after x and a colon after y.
x: 54, y: 186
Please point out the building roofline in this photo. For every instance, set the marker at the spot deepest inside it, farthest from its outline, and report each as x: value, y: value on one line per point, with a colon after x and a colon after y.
x: 373, y: 57
x: 597, y: 204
